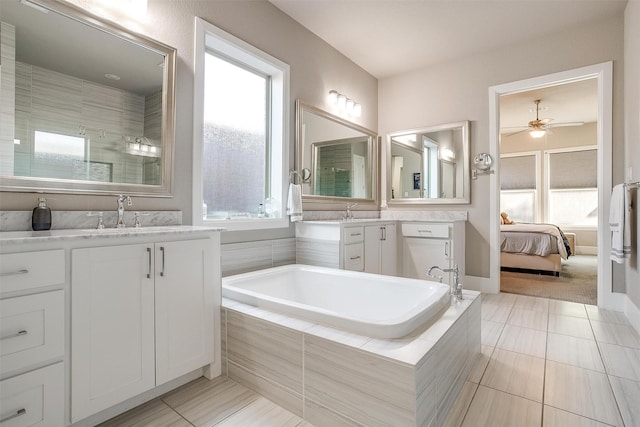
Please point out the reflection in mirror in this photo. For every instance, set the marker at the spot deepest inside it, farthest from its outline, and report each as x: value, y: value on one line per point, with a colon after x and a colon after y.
x: 338, y: 155
x: 429, y: 165
x: 88, y: 109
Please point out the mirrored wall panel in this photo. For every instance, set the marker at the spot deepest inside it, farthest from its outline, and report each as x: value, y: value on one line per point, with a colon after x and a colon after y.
x: 86, y: 106
x: 429, y: 165
x: 336, y: 158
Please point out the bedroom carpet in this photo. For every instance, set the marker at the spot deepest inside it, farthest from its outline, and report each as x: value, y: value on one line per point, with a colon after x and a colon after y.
x: 577, y: 281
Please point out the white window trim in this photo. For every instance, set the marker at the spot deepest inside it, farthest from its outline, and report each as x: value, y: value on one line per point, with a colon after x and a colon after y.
x: 538, y: 215
x: 208, y: 35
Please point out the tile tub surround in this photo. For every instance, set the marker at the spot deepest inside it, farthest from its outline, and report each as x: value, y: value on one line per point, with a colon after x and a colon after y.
x: 66, y: 220
x: 321, y: 373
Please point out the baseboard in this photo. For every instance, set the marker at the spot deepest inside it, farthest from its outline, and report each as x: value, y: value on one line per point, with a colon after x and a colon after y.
x: 633, y: 313
x: 586, y: 250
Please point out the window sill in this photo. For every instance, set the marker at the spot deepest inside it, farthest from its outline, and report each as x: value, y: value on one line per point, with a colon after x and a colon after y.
x: 248, y: 224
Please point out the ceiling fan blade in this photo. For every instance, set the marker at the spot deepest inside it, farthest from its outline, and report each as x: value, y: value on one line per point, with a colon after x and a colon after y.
x: 513, y: 127
x: 545, y: 121
x: 557, y: 125
x: 515, y: 133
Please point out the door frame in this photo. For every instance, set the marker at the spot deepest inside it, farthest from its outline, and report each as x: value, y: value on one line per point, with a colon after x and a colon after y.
x: 603, y: 72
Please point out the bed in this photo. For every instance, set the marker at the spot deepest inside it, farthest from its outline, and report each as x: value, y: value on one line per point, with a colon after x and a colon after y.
x: 533, y: 247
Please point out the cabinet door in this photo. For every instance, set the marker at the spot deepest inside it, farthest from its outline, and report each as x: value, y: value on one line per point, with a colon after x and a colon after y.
x: 185, y: 273
x: 112, y: 326
x: 388, y: 251
x: 419, y: 254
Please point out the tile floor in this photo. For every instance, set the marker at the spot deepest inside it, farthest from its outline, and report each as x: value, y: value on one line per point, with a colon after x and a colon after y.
x: 544, y: 363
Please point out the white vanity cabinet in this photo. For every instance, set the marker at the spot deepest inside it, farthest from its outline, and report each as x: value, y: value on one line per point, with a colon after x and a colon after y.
x: 142, y: 315
x: 32, y: 338
x: 380, y: 249
x: 369, y: 246
x: 427, y: 244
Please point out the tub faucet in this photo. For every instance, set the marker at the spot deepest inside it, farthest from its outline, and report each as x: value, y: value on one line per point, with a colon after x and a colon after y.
x: 121, y: 201
x: 456, y: 286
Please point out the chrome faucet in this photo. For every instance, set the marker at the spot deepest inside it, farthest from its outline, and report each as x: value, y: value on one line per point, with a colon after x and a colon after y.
x: 347, y: 213
x: 456, y: 286
x: 121, y: 201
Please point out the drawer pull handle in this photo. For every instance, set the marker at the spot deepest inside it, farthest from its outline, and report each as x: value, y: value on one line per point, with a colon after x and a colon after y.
x: 149, y: 269
x: 14, y: 273
x: 162, y: 271
x: 18, y: 413
x: 425, y: 231
x: 355, y: 234
x: 17, y: 334
x: 355, y: 257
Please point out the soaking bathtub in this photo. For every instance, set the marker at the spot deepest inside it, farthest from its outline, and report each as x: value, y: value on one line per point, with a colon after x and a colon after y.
x: 367, y: 304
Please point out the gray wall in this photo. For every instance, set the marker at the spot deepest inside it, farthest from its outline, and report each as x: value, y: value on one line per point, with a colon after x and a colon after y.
x: 632, y: 137
x: 316, y: 68
x: 458, y: 90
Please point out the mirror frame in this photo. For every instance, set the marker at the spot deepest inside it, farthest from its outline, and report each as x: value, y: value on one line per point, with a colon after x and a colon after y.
x: 466, y: 171
x: 164, y: 189
x: 373, y: 161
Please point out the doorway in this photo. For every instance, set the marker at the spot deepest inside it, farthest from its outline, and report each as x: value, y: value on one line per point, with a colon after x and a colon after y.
x: 603, y: 74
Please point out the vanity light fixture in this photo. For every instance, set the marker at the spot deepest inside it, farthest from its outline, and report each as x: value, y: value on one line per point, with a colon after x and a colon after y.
x: 345, y: 104
x: 140, y: 146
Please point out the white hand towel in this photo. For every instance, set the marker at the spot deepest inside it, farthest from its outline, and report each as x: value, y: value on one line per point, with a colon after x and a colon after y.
x: 619, y: 216
x: 294, y: 202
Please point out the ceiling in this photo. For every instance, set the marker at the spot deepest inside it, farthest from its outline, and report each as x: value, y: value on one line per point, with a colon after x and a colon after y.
x: 390, y: 37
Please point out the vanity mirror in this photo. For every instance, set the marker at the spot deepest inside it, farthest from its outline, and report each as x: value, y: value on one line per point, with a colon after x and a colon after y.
x: 429, y: 165
x: 336, y: 158
x: 87, y: 106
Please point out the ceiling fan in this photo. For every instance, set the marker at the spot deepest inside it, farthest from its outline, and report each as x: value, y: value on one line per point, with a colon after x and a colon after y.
x: 539, y: 127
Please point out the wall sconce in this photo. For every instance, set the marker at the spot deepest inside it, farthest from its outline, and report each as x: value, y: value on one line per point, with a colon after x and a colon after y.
x: 344, y: 104
x: 447, y: 154
x: 140, y: 146
x: 482, y: 165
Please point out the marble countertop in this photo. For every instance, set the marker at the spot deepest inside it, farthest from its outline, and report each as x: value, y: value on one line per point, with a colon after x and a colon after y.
x: 14, y: 237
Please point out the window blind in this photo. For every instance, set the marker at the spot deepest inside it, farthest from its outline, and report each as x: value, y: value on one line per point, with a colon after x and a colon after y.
x: 518, y: 173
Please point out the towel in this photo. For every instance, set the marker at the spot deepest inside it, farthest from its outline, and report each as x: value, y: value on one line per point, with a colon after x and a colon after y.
x: 294, y: 202
x: 619, y: 216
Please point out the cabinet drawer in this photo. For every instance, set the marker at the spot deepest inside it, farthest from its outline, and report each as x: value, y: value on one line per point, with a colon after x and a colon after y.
x: 31, y: 270
x: 34, y: 399
x: 354, y: 257
x: 31, y: 330
x: 353, y: 235
x: 440, y: 231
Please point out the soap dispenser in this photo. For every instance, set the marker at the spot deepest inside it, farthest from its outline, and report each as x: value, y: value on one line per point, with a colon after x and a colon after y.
x: 41, y: 219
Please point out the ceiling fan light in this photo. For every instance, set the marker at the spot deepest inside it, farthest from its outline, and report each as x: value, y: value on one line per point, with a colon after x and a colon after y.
x: 537, y: 133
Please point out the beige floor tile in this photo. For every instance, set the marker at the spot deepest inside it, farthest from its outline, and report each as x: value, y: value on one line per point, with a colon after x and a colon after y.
x: 531, y: 303
x: 490, y: 332
x: 627, y: 394
x: 554, y: 417
x: 498, y: 409
x: 153, y: 413
x: 459, y: 409
x: 203, y: 402
x: 574, y: 351
x: 567, y: 308
x: 532, y: 319
x: 580, y: 391
x: 621, y: 361
x: 495, y: 312
x: 523, y: 340
x: 499, y: 298
x: 572, y: 326
x: 261, y: 413
x: 515, y: 373
x: 481, y: 363
x: 613, y: 333
x: 602, y: 315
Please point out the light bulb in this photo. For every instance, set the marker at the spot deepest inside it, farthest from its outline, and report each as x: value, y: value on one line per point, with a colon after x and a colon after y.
x: 333, y: 97
x: 350, y: 105
x: 357, y: 110
x: 342, y: 102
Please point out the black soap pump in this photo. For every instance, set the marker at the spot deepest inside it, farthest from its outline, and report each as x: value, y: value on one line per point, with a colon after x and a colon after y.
x: 41, y: 219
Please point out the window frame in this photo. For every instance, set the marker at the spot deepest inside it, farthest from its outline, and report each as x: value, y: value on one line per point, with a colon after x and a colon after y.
x: 209, y: 38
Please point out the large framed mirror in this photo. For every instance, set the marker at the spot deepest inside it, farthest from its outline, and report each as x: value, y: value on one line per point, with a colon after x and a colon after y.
x: 87, y: 106
x: 429, y: 165
x: 336, y: 159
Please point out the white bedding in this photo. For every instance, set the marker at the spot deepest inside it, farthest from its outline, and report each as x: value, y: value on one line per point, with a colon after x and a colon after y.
x: 539, y: 228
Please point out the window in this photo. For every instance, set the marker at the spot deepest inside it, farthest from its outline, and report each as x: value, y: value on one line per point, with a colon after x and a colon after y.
x: 518, y: 186
x: 573, y: 187
x: 241, y: 124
